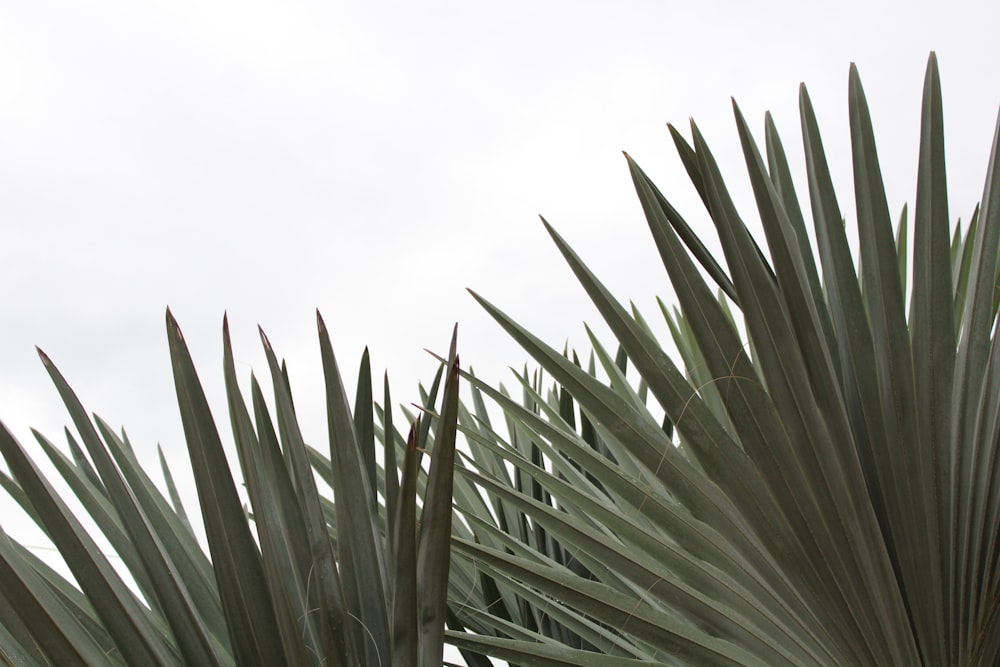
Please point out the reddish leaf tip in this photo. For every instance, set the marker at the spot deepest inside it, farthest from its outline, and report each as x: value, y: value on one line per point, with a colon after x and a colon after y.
x: 173, y: 327
x: 263, y: 339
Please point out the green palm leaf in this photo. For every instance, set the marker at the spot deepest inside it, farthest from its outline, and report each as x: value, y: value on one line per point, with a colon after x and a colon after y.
x: 307, y: 595
x: 827, y: 493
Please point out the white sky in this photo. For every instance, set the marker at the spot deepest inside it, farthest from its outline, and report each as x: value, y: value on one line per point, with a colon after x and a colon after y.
x: 375, y: 159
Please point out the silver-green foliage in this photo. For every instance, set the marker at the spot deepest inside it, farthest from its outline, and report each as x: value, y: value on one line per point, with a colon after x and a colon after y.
x: 825, y: 488
x: 279, y: 586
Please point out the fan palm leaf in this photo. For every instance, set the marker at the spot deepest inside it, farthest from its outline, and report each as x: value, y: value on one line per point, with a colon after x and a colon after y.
x: 824, y: 488
x: 280, y: 585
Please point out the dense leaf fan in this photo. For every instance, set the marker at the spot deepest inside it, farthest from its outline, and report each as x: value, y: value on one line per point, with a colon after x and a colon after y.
x: 280, y: 585
x: 805, y: 474
x: 825, y: 487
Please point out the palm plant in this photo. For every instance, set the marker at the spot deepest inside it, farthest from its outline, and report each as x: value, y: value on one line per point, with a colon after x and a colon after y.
x: 822, y: 488
x: 825, y: 486
x: 292, y: 591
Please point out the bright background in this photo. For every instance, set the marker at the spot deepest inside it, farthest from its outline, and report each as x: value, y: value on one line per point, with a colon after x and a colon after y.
x: 374, y: 159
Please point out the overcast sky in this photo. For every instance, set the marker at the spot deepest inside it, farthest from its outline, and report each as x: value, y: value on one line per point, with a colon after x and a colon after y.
x: 373, y: 160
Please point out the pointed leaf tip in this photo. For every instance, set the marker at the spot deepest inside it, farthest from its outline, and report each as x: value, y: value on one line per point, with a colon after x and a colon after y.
x: 854, y: 75
x: 932, y: 65
x: 454, y: 343
x: 737, y: 112
x: 263, y: 339
x: 172, y: 326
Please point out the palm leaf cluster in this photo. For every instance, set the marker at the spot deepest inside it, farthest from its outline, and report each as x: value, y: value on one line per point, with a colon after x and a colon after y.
x: 279, y: 587
x: 825, y: 488
x: 814, y: 481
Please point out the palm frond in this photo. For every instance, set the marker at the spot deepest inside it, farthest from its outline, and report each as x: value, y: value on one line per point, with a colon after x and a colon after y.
x: 827, y: 490
x: 281, y: 584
